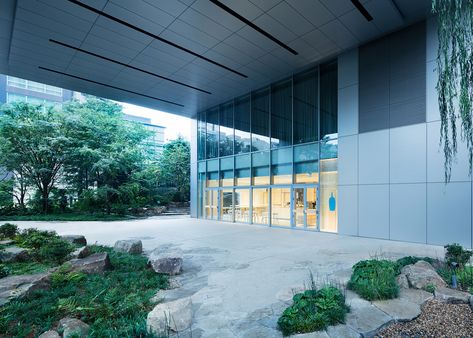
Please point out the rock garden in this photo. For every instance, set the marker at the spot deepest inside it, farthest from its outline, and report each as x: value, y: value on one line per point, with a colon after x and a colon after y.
x: 59, y: 286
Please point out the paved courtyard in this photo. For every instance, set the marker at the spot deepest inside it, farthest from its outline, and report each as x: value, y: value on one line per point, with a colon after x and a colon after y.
x: 239, y: 275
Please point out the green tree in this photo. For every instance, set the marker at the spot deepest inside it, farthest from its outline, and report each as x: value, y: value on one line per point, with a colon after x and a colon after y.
x: 455, y: 76
x: 174, y: 167
x: 34, y: 142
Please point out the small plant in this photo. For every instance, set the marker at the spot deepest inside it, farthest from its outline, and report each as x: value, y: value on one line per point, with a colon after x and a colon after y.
x: 64, y: 275
x: 455, y: 253
x: 375, y: 279
x: 4, y: 271
x: 8, y: 230
x: 408, y: 260
x: 465, y: 278
x: 430, y: 288
x: 313, y: 311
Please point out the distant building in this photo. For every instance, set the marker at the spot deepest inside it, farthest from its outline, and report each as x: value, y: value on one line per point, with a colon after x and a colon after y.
x: 157, y: 140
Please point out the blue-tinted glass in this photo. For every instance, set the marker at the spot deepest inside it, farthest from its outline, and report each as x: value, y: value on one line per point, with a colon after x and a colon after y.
x: 305, y: 107
x: 201, y: 136
x: 328, y: 100
x: 226, y: 129
x: 281, y: 114
x: 242, y: 125
x: 260, y: 120
x: 212, y: 133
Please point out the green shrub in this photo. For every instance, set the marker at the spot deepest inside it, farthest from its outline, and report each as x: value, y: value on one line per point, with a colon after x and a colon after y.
x: 55, y: 251
x: 465, y: 278
x: 375, y: 279
x: 313, y: 311
x: 402, y: 262
x: 4, y: 271
x: 33, y: 238
x: 26, y: 268
x: 430, y: 288
x: 8, y: 230
x: 456, y: 253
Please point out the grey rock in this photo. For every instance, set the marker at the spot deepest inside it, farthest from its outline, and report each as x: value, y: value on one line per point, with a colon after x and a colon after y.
x: 317, y: 334
x: 14, y: 254
x: 131, y: 246
x: 75, y: 239
x: 364, y: 317
x: 422, y: 274
x: 261, y: 331
x: 415, y: 296
x: 7, y: 242
x: 49, y: 334
x: 402, y: 281
x: 342, y: 331
x: 22, y: 285
x: 448, y: 295
x: 173, y: 284
x: 95, y: 263
x: 471, y: 303
x: 81, y: 252
x: 169, y: 263
x: 175, y: 316
x: 399, y: 309
x: 73, y: 327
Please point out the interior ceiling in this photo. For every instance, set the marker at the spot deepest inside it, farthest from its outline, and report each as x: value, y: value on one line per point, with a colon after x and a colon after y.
x: 184, y: 56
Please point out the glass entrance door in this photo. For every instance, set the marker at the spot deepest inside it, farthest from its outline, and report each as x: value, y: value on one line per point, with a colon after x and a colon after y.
x: 211, y: 204
x: 305, y: 207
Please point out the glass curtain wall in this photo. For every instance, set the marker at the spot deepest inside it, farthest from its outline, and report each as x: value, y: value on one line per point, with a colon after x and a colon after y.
x: 272, y: 154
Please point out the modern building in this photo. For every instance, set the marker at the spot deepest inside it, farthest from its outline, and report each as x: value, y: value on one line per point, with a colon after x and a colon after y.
x: 317, y: 115
x: 157, y: 139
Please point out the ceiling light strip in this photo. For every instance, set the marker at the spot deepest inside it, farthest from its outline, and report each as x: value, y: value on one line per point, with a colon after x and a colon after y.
x: 154, y: 36
x: 362, y: 9
x: 109, y: 86
x: 252, y: 25
x: 126, y: 65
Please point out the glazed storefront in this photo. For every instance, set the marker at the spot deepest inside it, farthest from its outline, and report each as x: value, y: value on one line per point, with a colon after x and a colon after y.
x: 270, y: 157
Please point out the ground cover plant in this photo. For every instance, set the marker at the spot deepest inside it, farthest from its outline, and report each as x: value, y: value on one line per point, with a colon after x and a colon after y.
x: 114, y: 304
x: 314, y: 310
x: 375, y: 279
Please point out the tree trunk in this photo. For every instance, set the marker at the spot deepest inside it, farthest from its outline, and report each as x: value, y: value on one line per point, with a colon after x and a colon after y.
x: 45, y: 202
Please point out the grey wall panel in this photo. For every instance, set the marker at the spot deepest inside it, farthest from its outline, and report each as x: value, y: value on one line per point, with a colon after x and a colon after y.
x: 373, y: 201
x: 348, y: 160
x: 348, y: 210
x: 408, y: 212
x: 432, y: 105
x: 348, y: 68
x: 373, y: 157
x: 348, y: 110
x: 449, y: 213
x: 432, y: 41
x: 193, y: 179
x: 407, y: 149
x: 392, y: 80
x: 436, y: 159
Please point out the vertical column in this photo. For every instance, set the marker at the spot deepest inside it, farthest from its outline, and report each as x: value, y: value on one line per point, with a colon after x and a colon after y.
x: 193, y: 180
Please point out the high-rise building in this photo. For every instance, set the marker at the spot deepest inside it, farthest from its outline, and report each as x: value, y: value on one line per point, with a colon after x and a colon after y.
x: 157, y: 139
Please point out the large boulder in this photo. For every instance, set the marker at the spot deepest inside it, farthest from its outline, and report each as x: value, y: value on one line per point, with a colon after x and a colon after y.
x: 175, y: 316
x: 81, y: 252
x: 75, y: 239
x: 14, y: 254
x: 72, y: 327
x: 422, y: 274
x: 49, y: 334
x: 166, y: 262
x: 95, y: 263
x: 131, y: 246
x: 22, y: 285
x: 448, y: 295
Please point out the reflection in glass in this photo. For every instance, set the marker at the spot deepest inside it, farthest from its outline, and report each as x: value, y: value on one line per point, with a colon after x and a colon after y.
x: 226, y: 205
x: 242, y: 125
x: 311, y: 207
x: 260, y: 120
x: 261, y: 206
x: 328, y: 100
x: 281, y: 114
x: 201, y: 136
x: 260, y: 168
x: 226, y: 129
x: 281, y: 206
x: 212, y: 133
x: 299, y: 207
x: 211, y: 204
x: 212, y: 173
x: 328, y: 195
x: 242, y: 170
x: 200, y: 188
x: 306, y: 163
x: 281, y: 166
x: 242, y: 205
x: 226, y: 172
x: 305, y: 107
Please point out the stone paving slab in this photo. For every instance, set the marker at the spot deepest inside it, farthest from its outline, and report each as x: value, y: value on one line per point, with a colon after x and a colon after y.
x: 399, y: 309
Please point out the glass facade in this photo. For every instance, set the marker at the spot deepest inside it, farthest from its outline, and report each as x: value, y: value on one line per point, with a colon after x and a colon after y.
x: 270, y: 157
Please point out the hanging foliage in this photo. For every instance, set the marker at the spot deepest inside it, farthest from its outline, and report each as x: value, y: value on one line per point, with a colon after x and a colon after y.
x: 455, y: 76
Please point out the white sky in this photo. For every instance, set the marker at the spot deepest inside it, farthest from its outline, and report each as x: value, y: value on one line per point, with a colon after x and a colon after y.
x: 175, y: 125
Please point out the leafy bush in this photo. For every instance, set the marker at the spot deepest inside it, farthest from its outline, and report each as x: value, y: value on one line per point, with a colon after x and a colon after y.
x: 8, y: 230
x: 313, y: 311
x: 456, y: 253
x: 375, y: 279
x: 465, y: 278
x: 4, y: 271
x: 430, y: 288
x: 402, y: 262
x: 26, y: 268
x: 114, y: 304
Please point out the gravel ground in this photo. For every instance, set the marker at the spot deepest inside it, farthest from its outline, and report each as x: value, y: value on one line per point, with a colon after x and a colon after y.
x: 436, y: 320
